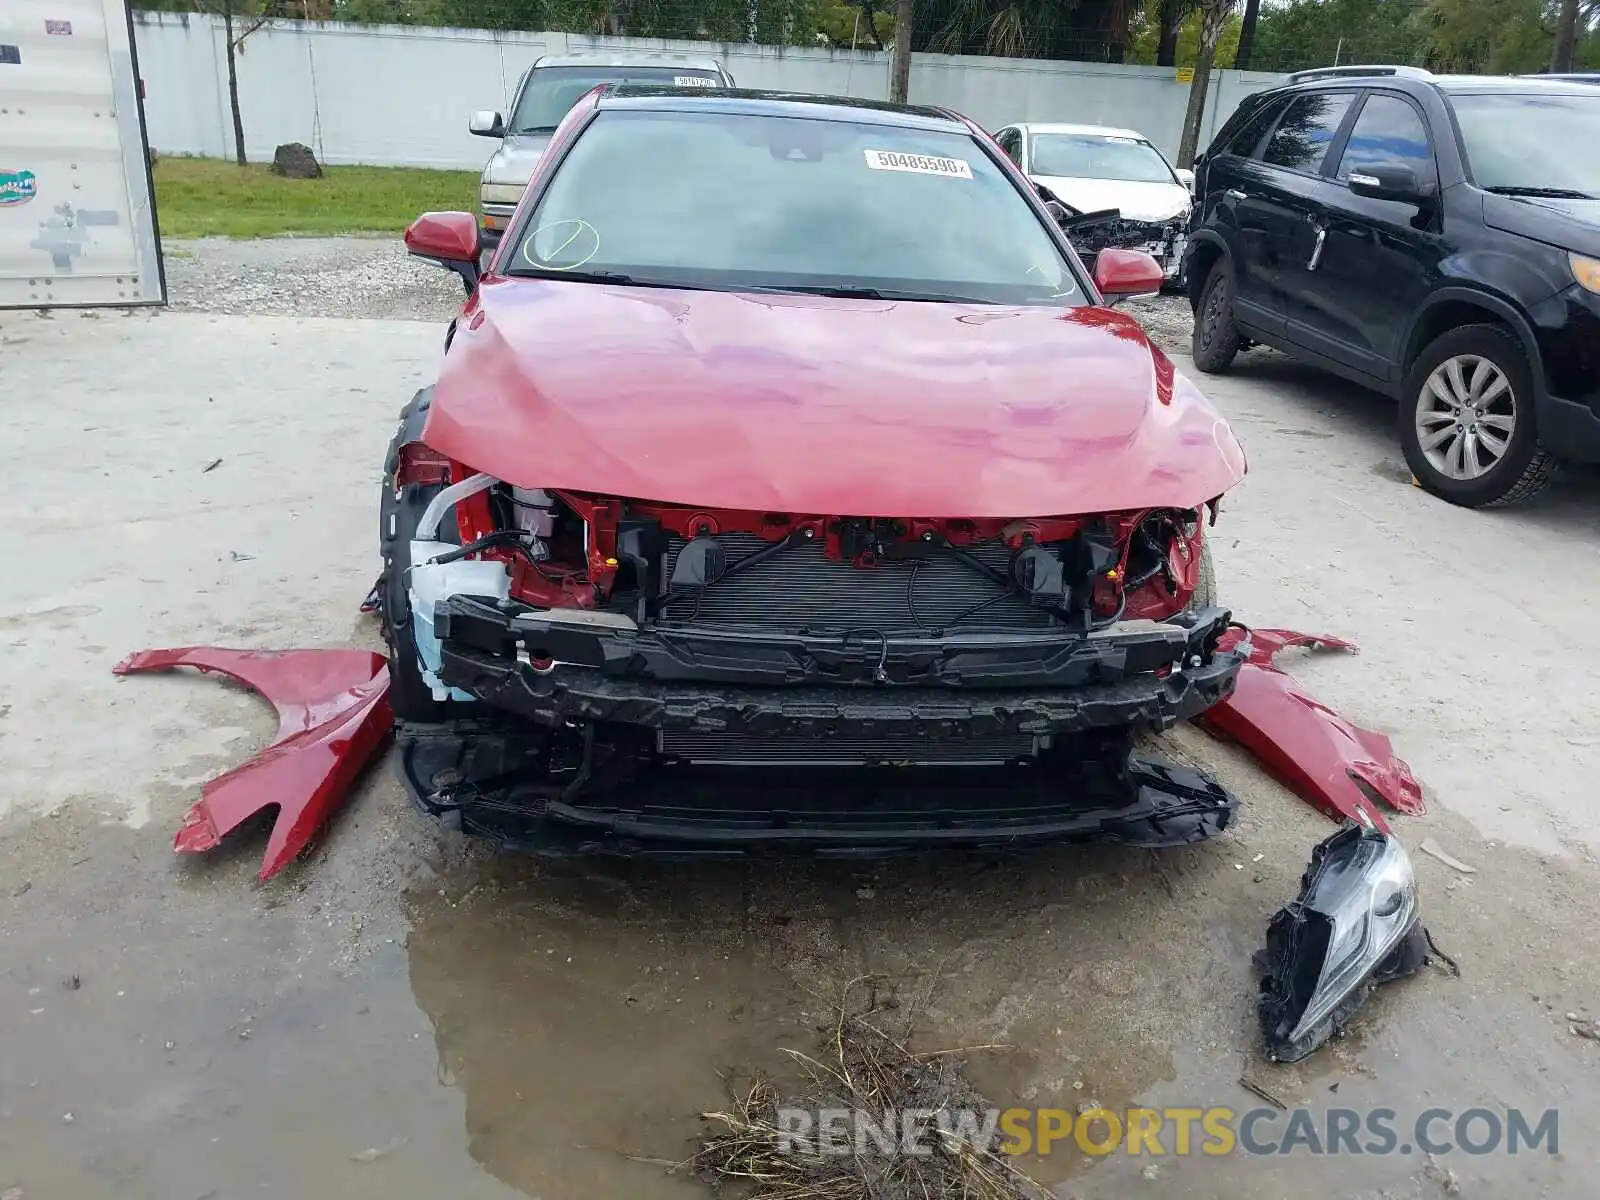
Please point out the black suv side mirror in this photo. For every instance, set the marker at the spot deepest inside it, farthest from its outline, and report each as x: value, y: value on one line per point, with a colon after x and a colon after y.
x: 1390, y: 181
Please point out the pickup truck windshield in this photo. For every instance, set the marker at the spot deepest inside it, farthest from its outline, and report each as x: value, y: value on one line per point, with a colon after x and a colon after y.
x: 552, y: 91
x: 741, y: 202
x: 1533, y: 144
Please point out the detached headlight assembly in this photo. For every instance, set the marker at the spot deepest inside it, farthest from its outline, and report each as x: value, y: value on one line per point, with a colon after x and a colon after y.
x: 1355, y: 924
x: 1586, y: 271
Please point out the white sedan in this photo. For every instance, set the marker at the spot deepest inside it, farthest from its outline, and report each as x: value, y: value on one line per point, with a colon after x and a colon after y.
x: 1095, y: 167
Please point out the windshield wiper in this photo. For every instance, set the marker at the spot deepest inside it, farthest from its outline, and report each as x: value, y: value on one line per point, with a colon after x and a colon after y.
x: 837, y: 291
x: 1547, y: 193
x: 848, y: 291
x: 842, y: 291
x: 613, y: 277
x: 534, y: 129
x: 580, y: 276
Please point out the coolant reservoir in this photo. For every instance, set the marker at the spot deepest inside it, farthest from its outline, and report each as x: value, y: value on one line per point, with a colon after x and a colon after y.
x: 431, y: 582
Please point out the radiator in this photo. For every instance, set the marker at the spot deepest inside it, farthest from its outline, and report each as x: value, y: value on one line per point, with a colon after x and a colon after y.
x: 801, y: 588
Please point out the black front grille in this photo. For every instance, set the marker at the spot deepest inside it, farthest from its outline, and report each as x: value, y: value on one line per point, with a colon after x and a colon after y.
x: 802, y: 588
x: 798, y: 750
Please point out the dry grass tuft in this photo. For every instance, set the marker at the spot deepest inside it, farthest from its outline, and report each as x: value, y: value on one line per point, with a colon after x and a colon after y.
x: 863, y: 1067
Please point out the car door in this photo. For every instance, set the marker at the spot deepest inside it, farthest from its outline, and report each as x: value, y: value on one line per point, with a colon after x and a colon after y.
x: 1282, y: 191
x: 1364, y: 266
x: 1226, y: 208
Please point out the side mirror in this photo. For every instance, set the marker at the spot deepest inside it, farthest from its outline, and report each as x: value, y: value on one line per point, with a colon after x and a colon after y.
x: 1185, y: 177
x: 450, y: 239
x: 1119, y: 274
x: 487, y: 123
x: 1390, y: 181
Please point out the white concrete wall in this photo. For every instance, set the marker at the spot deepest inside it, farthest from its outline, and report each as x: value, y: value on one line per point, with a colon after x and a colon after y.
x: 999, y: 91
x: 401, y: 95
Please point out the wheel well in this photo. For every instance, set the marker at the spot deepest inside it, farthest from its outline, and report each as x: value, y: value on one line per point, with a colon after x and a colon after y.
x: 1200, y: 263
x: 1442, y: 318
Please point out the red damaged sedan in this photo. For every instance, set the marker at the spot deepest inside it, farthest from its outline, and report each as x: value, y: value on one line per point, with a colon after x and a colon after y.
x: 789, y: 484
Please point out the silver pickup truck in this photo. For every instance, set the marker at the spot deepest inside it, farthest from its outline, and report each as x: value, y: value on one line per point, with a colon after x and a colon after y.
x: 547, y: 89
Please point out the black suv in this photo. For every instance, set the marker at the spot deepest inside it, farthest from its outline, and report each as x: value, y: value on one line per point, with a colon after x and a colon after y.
x: 1436, y: 238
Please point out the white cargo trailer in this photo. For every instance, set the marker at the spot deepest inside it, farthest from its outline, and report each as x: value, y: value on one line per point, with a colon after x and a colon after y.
x: 77, y: 209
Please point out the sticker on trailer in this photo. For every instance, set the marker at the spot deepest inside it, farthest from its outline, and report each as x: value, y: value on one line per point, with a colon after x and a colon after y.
x: 11, y: 54
x: 17, y: 187
x: 918, y: 164
x: 57, y: 28
x: 692, y: 81
x: 66, y: 235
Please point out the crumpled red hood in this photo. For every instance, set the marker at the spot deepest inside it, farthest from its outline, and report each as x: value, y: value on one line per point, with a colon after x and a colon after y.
x: 808, y: 404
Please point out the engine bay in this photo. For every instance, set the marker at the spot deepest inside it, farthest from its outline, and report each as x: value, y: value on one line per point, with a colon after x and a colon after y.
x: 677, y: 565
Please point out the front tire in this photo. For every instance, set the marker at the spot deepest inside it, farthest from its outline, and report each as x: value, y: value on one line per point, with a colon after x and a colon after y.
x: 1216, y: 338
x: 399, y: 511
x: 1467, y: 421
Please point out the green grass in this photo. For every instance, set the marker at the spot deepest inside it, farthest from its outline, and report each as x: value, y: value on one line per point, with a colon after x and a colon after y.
x: 207, y: 197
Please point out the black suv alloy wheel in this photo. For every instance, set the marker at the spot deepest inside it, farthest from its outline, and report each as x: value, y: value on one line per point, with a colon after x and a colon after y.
x: 1467, y: 423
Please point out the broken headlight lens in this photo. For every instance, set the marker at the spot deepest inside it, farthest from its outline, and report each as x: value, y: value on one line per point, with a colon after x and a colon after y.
x: 1350, y: 927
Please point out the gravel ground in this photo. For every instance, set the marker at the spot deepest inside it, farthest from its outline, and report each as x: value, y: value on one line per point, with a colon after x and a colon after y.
x: 1166, y: 319
x: 370, y: 277
x: 375, y: 277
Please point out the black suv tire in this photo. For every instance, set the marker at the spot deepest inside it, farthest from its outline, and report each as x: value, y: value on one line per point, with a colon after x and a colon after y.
x: 1216, y: 339
x: 1525, y: 468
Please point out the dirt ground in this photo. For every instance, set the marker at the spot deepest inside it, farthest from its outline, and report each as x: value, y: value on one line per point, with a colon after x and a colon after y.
x: 403, y: 1014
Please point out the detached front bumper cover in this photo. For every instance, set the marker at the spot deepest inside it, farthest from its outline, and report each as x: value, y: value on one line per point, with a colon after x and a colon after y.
x: 1354, y: 925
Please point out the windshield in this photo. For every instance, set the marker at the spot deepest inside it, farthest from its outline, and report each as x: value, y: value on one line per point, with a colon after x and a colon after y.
x: 742, y: 202
x: 1532, y: 142
x: 1098, y: 156
x: 551, y: 91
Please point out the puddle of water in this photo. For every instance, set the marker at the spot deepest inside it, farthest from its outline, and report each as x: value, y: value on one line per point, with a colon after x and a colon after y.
x: 221, y: 1036
x: 679, y: 977
x: 583, y: 1042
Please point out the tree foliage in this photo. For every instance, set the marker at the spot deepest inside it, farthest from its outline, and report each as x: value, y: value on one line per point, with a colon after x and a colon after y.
x: 864, y: 25
x: 1513, y: 36
x: 1146, y: 37
x: 1489, y: 36
x: 1085, y: 30
x: 1461, y: 35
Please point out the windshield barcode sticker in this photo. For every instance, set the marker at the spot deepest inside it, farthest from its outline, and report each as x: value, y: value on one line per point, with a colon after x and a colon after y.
x: 919, y: 164
x: 692, y: 81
